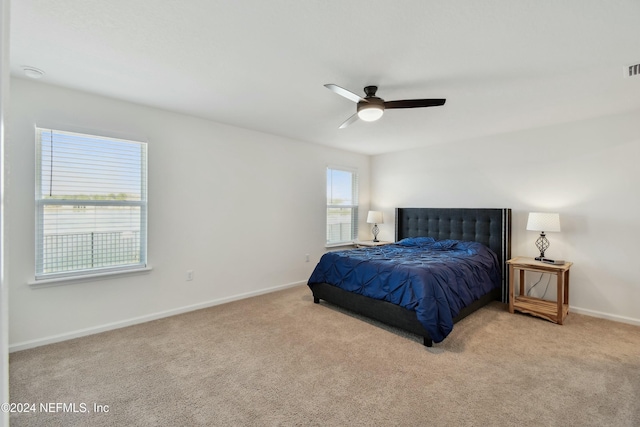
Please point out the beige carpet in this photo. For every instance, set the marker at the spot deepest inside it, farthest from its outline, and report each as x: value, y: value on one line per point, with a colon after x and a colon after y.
x: 279, y: 359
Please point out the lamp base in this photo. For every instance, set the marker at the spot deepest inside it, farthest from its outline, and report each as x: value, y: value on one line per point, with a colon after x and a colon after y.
x: 375, y: 230
x: 542, y: 244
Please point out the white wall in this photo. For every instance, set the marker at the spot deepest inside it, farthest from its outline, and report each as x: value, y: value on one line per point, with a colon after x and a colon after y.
x: 208, y: 185
x: 587, y: 171
x: 4, y: 292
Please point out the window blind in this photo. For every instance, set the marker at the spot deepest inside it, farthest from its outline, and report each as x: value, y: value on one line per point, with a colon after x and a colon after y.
x: 342, y: 205
x: 91, y: 204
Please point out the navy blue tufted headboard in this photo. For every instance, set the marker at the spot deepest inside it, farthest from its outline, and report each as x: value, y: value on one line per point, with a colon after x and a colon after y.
x: 491, y: 227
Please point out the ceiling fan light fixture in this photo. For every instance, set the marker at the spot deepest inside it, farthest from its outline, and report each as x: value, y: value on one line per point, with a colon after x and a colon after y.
x: 370, y: 113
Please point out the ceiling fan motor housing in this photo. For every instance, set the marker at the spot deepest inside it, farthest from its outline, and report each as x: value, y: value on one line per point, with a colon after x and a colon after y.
x: 370, y: 91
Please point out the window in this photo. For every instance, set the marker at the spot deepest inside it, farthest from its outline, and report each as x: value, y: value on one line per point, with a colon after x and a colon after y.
x: 342, y: 205
x: 91, y: 204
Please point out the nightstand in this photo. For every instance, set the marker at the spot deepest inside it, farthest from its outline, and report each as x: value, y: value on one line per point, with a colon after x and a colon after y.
x: 369, y: 243
x: 555, y: 311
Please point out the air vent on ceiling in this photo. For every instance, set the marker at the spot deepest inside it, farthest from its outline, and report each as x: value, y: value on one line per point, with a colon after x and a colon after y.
x: 632, y: 70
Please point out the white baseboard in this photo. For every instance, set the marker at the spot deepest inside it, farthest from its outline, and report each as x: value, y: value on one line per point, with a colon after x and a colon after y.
x: 154, y: 316
x: 142, y: 319
x: 615, y: 318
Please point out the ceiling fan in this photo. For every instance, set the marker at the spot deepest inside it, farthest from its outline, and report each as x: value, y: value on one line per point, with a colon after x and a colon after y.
x: 370, y: 108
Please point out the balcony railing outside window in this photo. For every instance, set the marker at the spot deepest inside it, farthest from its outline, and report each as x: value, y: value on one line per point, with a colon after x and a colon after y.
x: 82, y: 251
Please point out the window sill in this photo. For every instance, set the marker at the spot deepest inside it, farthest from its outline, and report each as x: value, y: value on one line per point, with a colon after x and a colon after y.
x: 338, y: 245
x: 61, y: 281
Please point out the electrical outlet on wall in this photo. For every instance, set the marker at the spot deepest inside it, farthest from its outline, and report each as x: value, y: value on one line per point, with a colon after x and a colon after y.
x: 189, y: 275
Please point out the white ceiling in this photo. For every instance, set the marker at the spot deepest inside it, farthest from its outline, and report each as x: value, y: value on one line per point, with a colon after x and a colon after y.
x: 503, y: 65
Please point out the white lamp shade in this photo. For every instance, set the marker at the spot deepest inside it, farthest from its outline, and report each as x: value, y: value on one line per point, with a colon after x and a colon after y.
x: 374, y: 217
x: 542, y: 221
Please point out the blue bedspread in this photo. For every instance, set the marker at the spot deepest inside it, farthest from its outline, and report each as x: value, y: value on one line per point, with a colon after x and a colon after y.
x: 436, y: 279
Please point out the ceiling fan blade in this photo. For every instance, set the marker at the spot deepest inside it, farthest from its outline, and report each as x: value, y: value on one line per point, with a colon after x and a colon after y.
x: 414, y: 103
x: 348, y: 121
x: 343, y: 92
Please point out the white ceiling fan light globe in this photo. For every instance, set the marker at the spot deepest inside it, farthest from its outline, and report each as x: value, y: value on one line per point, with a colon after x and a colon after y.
x: 370, y: 114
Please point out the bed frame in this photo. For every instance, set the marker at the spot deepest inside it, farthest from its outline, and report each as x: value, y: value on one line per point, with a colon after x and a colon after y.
x: 491, y: 227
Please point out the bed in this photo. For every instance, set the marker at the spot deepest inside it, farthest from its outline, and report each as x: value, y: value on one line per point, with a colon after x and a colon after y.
x: 456, y: 229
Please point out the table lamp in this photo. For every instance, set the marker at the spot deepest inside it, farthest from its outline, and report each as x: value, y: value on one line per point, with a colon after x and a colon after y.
x: 541, y: 221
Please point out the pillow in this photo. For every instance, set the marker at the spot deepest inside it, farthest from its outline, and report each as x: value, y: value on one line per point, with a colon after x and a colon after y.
x: 416, y: 241
x: 445, y: 244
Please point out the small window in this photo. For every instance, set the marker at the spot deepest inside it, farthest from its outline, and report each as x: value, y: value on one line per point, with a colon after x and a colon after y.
x: 91, y: 204
x: 342, y: 206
